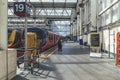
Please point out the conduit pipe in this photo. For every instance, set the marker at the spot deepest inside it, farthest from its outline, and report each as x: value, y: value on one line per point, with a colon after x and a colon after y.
x: 103, y: 11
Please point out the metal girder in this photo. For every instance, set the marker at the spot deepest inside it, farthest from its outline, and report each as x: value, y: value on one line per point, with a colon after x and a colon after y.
x: 32, y: 24
x: 13, y: 22
x: 44, y: 13
x: 62, y: 25
x: 62, y: 31
x: 50, y: 17
x: 22, y: 25
x: 49, y: 4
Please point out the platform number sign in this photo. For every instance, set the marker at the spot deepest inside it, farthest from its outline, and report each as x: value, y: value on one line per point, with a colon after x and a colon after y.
x: 21, y: 9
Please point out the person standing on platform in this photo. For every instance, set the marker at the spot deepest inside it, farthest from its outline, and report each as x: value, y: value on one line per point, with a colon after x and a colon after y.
x: 60, y: 45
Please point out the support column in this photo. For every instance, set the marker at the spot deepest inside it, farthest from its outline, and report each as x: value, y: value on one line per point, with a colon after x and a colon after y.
x: 93, y: 15
x: 3, y: 24
x: 81, y: 22
x: 78, y: 30
x: 34, y: 17
x: 72, y: 31
x: 26, y: 44
x: 3, y: 34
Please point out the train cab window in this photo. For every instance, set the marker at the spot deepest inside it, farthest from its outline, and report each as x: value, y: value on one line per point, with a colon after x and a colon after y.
x: 39, y: 34
x: 9, y: 33
x: 45, y: 35
x: 9, y: 37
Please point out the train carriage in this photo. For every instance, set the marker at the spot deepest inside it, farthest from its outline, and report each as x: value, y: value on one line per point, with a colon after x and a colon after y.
x: 44, y: 39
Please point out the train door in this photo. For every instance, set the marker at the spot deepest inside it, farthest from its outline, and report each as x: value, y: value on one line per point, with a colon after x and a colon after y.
x: 31, y: 43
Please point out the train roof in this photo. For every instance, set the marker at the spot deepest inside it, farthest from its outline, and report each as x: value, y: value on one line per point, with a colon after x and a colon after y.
x: 10, y: 29
x: 34, y: 29
x: 37, y: 30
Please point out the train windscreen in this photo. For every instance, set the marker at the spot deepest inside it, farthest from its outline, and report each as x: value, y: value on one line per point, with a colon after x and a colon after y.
x: 9, y: 34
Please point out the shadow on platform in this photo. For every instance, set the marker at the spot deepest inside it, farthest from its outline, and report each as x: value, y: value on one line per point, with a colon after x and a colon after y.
x: 18, y: 77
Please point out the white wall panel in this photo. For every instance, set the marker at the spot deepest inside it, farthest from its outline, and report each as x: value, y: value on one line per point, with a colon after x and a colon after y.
x: 88, y: 37
x: 116, y: 29
x: 103, y: 4
x: 112, y: 40
x: 108, y: 2
x: 111, y: 15
x: 106, y: 40
x: 85, y: 38
x: 107, y: 18
x: 112, y: 37
x: 115, y: 13
x: 103, y: 20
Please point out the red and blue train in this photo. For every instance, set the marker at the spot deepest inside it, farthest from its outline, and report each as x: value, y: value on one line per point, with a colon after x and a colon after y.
x: 37, y: 38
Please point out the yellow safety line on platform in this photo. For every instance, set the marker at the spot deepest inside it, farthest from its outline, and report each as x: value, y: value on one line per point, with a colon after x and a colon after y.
x: 43, y: 56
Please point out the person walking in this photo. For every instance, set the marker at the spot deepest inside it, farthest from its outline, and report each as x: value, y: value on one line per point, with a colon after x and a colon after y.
x: 60, y: 45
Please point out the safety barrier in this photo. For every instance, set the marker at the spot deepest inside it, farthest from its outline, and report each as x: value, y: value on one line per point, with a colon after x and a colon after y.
x: 118, y: 50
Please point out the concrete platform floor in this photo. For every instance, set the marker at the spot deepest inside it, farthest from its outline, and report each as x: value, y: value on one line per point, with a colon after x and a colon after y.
x: 73, y: 63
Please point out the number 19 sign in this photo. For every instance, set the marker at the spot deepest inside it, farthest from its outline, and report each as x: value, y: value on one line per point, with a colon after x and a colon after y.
x: 21, y: 9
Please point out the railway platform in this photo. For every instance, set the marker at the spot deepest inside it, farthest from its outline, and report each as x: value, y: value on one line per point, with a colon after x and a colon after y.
x: 73, y: 63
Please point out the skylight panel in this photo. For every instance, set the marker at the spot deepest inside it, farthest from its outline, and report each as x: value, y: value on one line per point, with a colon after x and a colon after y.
x: 74, y: 1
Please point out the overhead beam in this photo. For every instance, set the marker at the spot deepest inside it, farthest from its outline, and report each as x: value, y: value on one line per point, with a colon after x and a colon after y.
x: 32, y: 24
x: 107, y: 8
x: 3, y: 24
x: 62, y: 31
x: 22, y: 25
x: 49, y: 4
x: 50, y: 17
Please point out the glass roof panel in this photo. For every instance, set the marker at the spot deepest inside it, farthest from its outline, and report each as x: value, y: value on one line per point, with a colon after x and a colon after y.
x: 60, y: 27
x: 64, y: 12
x: 71, y: 1
x: 62, y: 22
x: 10, y: 12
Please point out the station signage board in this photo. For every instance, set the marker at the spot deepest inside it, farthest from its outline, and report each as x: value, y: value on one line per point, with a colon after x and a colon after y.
x: 21, y: 9
x: 95, y: 40
x: 118, y: 50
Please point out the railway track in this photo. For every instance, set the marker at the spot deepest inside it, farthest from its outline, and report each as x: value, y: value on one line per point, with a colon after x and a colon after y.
x: 48, y: 53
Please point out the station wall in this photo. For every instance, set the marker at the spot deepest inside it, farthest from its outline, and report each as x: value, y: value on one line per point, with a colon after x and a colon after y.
x: 109, y: 40
x: 100, y: 16
x: 109, y: 22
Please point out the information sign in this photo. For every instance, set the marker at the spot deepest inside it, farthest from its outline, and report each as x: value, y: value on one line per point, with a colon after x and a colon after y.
x: 95, y: 40
x: 21, y: 9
